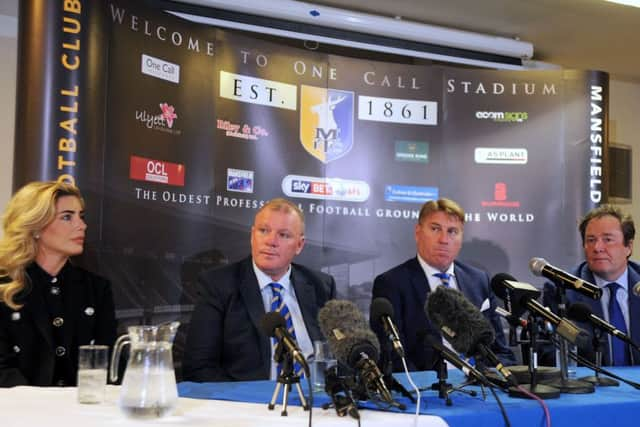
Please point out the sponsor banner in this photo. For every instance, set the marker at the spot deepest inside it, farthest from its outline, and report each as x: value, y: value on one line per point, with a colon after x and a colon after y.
x: 162, y: 122
x: 150, y: 170
x: 501, y: 156
x: 239, y: 180
x: 156, y: 67
x: 244, y: 131
x: 502, y: 116
x: 500, y: 197
x: 409, y: 194
x: 253, y: 90
x: 309, y: 187
x: 393, y: 110
x: 326, y: 122
x: 412, y: 151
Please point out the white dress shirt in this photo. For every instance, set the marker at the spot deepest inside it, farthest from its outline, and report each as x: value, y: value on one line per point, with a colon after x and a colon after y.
x: 289, y: 297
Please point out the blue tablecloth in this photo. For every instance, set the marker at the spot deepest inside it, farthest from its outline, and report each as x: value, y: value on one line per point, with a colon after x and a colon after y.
x: 616, y: 406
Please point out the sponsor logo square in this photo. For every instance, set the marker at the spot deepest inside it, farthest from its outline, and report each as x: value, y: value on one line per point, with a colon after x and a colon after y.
x: 239, y: 180
x: 158, y: 171
x: 158, y: 68
x: 412, y: 151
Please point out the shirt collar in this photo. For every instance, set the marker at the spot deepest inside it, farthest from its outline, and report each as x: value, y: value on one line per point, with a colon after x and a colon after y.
x: 430, y: 271
x: 264, y: 280
x: 623, y: 280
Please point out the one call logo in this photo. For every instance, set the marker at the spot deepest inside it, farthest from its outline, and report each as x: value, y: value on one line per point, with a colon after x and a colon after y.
x: 158, y: 171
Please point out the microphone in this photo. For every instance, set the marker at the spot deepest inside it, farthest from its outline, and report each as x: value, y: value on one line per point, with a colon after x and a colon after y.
x: 540, y: 267
x: 340, y: 395
x: 456, y: 361
x: 353, y: 344
x: 521, y: 296
x: 464, y: 326
x: 382, y: 311
x: 581, y: 312
x: 274, y: 325
x: 513, y: 320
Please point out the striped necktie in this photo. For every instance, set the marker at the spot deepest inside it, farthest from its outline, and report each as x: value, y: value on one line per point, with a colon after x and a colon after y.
x: 444, y: 278
x: 619, y: 349
x: 278, y: 305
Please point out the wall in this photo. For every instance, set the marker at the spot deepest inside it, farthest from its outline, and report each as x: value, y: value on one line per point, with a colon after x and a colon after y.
x: 625, y: 129
x: 8, y: 53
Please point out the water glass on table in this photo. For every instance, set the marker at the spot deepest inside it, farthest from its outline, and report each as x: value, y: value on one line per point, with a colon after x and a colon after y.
x: 322, y: 360
x: 93, y: 361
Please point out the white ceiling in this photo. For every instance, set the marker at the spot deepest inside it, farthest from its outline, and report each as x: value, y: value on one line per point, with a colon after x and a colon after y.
x: 579, y: 34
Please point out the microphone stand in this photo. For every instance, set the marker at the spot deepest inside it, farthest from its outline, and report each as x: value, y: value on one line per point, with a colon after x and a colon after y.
x: 444, y: 388
x: 388, y: 378
x: 287, y: 378
x: 565, y: 384
x: 540, y: 390
x: 596, y: 379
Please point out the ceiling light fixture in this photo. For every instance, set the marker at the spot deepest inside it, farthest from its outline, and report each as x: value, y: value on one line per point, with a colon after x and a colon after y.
x: 634, y: 3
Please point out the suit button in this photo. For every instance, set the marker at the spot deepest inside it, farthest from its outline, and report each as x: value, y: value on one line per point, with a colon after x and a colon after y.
x: 54, y: 280
x: 60, y: 351
x: 55, y: 290
x: 16, y: 349
x: 15, y: 316
x: 58, y: 321
x: 89, y: 311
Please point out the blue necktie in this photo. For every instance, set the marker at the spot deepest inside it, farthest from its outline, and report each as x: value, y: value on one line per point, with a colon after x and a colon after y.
x: 619, y: 348
x: 444, y: 278
x: 277, y: 304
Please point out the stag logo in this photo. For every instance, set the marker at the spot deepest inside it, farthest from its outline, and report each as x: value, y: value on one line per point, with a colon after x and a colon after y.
x: 326, y: 122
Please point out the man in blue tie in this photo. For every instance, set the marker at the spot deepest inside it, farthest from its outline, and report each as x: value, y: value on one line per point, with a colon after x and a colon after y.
x: 439, y: 236
x: 225, y: 342
x: 607, y: 238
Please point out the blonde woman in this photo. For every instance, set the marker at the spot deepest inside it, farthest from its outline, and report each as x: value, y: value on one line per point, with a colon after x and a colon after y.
x: 48, y: 306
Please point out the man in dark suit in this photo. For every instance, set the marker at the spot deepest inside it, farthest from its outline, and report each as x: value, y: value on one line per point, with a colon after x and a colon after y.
x: 607, y: 238
x: 225, y: 342
x: 439, y: 235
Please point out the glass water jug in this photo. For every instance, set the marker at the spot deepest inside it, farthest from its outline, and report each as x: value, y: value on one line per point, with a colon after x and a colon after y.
x: 149, y: 387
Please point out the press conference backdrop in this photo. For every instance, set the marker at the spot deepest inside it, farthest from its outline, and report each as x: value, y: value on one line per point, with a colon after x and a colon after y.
x: 202, y: 125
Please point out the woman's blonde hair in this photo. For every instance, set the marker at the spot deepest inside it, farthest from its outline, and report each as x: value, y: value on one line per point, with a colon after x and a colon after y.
x: 31, y: 209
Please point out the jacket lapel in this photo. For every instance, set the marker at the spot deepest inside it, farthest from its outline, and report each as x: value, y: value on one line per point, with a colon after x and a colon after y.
x: 305, y: 294
x: 634, y: 311
x: 250, y: 291
x: 419, y: 281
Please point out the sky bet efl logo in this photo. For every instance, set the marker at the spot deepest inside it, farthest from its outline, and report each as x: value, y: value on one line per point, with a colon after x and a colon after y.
x: 326, y: 122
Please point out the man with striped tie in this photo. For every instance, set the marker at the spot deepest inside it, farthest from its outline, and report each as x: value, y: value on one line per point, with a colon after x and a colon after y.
x: 607, y: 239
x: 225, y: 342
x: 439, y: 236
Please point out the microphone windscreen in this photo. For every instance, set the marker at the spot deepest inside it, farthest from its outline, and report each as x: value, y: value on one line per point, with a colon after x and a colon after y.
x: 497, y: 284
x: 341, y: 314
x: 380, y: 307
x: 461, y: 322
x: 579, y: 311
x: 270, y: 321
x: 347, y: 347
x: 536, y: 265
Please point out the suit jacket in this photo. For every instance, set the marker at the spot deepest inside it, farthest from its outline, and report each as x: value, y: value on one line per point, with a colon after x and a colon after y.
x: 27, y: 354
x: 407, y: 287
x: 582, y: 271
x: 224, y: 342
